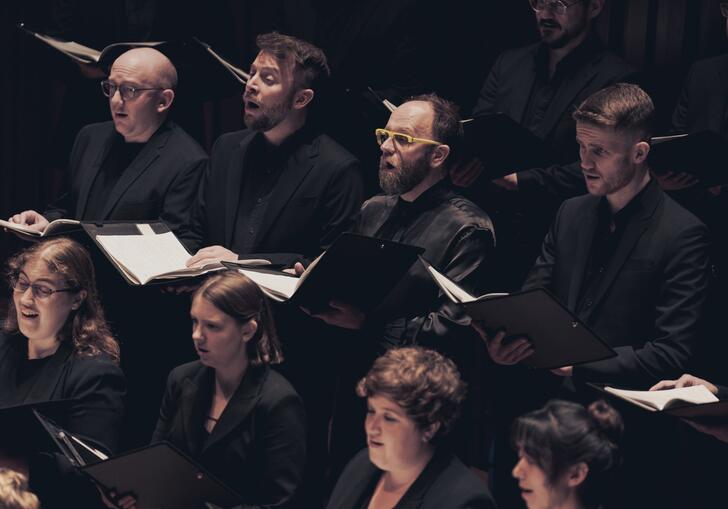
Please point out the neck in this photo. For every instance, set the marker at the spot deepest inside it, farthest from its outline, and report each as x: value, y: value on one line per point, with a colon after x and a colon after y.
x: 228, y: 378
x: 295, y: 121
x: 393, y: 480
x: 621, y: 198
x: 430, y: 180
x: 556, y: 55
x: 144, y: 137
x: 570, y: 502
x: 40, y: 348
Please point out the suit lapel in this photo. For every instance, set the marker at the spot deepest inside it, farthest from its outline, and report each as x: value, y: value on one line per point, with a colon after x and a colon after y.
x: 233, y: 191
x: 240, y: 405
x: 636, y: 226
x: 90, y: 176
x: 298, y: 166
x: 586, y: 230
x: 523, y: 80
x: 194, y: 404
x: 141, y: 162
x: 51, y: 377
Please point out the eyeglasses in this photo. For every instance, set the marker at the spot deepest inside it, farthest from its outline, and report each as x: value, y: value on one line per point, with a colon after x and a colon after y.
x: 40, y: 291
x: 400, y: 139
x: 557, y: 6
x: 724, y: 9
x: 127, y: 92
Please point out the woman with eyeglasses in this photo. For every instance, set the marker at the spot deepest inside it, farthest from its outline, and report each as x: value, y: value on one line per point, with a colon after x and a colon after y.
x: 55, y: 345
x: 413, y: 398
x: 568, y: 455
x: 229, y: 410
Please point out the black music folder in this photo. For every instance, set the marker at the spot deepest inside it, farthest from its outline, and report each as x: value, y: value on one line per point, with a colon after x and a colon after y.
x: 161, y: 477
x: 356, y: 269
x: 703, y: 154
x: 503, y: 145
x: 21, y: 427
x: 558, y: 336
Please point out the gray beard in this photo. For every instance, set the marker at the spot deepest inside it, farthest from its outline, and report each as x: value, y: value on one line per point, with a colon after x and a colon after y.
x: 399, y: 182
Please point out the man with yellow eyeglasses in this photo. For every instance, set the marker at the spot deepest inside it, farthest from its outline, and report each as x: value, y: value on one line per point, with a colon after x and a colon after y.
x: 419, y: 208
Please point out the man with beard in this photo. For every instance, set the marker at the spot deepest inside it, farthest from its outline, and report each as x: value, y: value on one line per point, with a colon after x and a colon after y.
x: 418, y: 208
x: 539, y: 86
x: 278, y: 186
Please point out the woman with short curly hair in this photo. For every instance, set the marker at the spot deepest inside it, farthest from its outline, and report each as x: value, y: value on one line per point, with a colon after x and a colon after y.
x: 413, y: 398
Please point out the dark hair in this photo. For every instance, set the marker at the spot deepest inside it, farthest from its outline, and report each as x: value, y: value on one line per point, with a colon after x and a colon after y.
x: 85, y: 327
x: 310, y: 65
x: 236, y: 295
x: 564, y: 433
x: 446, y: 125
x: 622, y: 107
x: 424, y: 383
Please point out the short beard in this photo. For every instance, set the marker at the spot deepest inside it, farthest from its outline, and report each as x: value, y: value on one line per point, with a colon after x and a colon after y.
x: 406, y: 178
x: 270, y: 118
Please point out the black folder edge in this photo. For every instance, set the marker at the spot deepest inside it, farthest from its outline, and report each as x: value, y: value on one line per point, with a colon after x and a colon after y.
x: 699, y: 148
x: 524, y: 292
x: 215, y: 480
x: 703, y: 412
x: 34, y: 409
x: 94, y: 229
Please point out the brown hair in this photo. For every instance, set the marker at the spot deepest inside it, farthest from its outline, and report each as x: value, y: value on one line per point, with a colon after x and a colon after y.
x: 236, y: 295
x: 622, y: 107
x: 423, y: 382
x: 310, y: 65
x: 564, y: 433
x: 85, y: 327
x: 14, y: 493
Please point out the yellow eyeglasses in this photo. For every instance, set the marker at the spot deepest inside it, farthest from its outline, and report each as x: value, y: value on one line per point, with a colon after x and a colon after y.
x: 401, y: 139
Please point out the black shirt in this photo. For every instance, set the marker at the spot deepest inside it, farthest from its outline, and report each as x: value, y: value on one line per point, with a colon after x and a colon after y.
x: 265, y: 165
x: 120, y: 156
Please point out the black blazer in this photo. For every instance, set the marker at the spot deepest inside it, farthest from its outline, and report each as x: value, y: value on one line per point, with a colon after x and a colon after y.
x: 445, y: 483
x: 507, y: 89
x: 316, y: 198
x: 258, y: 447
x: 650, y: 301
x: 704, y: 98
x: 96, y: 383
x: 161, y: 181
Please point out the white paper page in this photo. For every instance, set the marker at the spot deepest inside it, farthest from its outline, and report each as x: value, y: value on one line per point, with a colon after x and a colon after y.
x: 279, y: 287
x: 697, y: 394
x: 146, y: 256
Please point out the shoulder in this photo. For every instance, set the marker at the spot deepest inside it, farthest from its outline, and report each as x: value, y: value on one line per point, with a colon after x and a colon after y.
x: 611, y: 64
x: 96, y: 130
x: 352, y: 481
x: 459, y: 487
x: 709, y: 65
x: 577, y: 204
x: 93, y: 370
x: 225, y: 142
x: 277, y: 391
x: 518, y: 54
x: 378, y: 202
x: 184, y: 371
x: 329, y: 149
x: 185, y: 145
x: 465, y: 211
x: 678, y: 220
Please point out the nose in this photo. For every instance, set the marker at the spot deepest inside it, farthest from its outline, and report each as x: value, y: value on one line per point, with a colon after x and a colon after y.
x: 196, y: 333
x: 517, y: 471
x: 372, y: 425
x: 388, y: 146
x: 116, y: 97
x: 251, y: 85
x: 27, y: 296
x: 585, y: 161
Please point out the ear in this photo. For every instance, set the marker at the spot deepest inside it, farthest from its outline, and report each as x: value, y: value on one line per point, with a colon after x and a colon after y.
x: 430, y: 431
x: 248, y: 329
x: 595, y: 8
x: 78, y: 299
x: 439, y: 155
x: 640, y: 152
x: 303, y: 98
x: 165, y: 100
x: 577, y: 474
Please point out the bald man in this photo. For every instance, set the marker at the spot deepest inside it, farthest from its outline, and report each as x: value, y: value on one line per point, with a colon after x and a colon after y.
x: 140, y: 165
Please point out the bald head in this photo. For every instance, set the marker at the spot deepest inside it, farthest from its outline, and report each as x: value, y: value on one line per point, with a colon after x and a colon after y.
x: 149, y: 64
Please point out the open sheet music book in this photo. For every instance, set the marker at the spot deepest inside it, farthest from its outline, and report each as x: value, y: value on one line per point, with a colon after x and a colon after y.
x: 84, y: 54
x: 143, y: 256
x: 356, y: 269
x: 559, y: 338
x: 57, y: 227
x: 662, y: 400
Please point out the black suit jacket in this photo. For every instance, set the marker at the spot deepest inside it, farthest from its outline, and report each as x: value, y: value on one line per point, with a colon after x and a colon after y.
x: 445, y: 483
x: 258, y: 447
x: 704, y: 98
x: 161, y: 181
x: 316, y: 198
x: 650, y: 301
x: 507, y: 89
x: 96, y: 383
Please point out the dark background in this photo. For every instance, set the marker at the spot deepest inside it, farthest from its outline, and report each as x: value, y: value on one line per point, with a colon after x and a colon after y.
x: 395, y: 46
